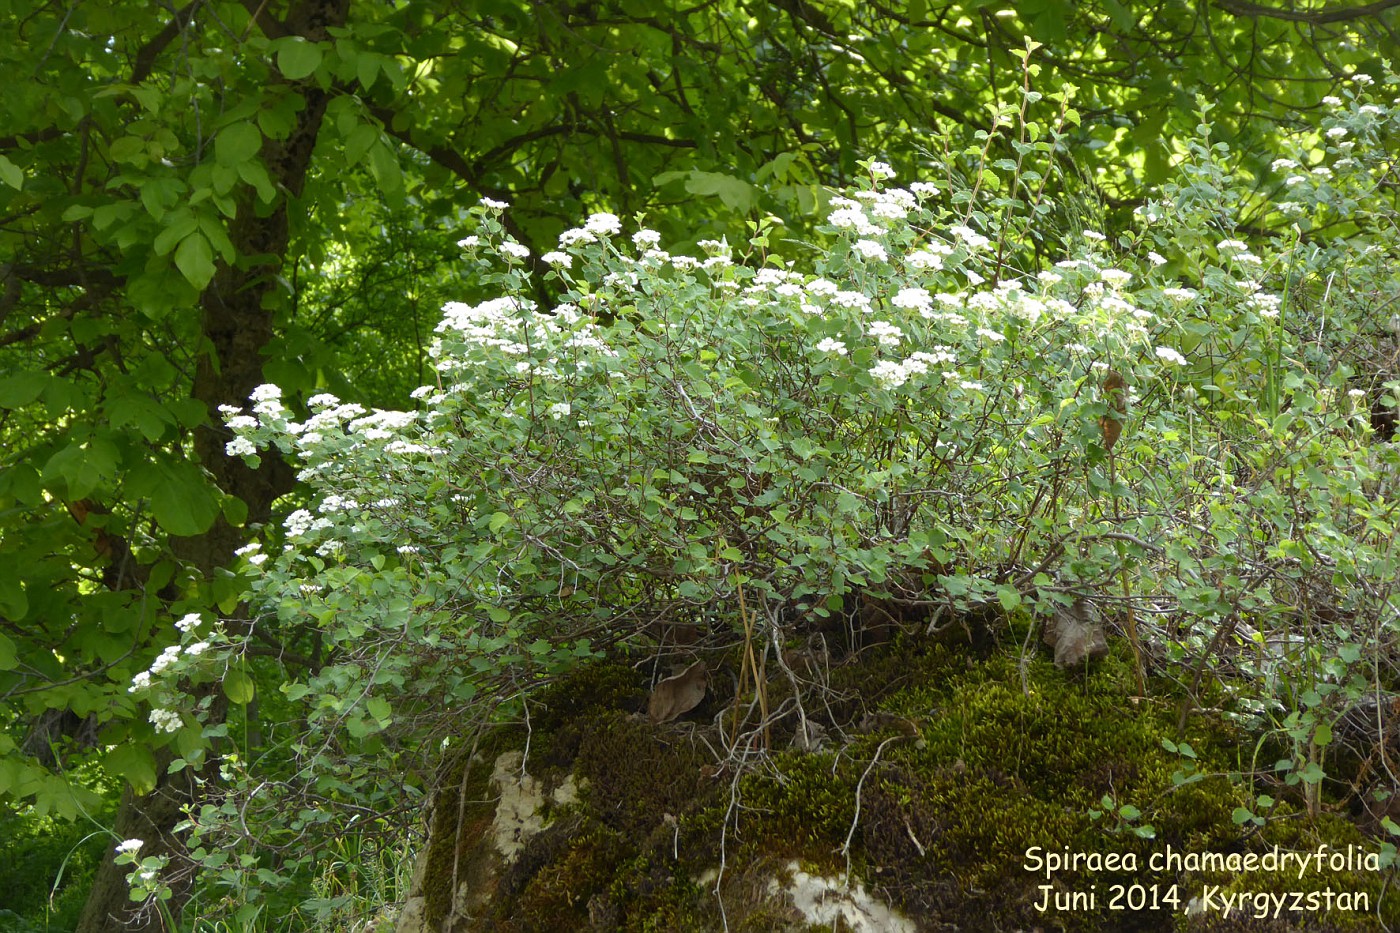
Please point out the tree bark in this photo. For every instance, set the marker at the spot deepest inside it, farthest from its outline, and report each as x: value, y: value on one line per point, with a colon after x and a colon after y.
x: 237, y: 320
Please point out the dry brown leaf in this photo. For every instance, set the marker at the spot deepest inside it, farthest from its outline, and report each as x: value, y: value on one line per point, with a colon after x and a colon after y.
x: 678, y: 695
x: 1111, y: 424
x: 1076, y: 633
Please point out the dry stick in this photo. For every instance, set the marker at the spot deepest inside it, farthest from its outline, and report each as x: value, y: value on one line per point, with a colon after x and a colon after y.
x: 1115, y: 394
x: 1127, y: 586
x: 845, y: 850
x: 760, y: 683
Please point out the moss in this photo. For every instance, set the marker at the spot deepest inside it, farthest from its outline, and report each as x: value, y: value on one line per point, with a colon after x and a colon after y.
x: 460, y: 820
x: 996, y: 755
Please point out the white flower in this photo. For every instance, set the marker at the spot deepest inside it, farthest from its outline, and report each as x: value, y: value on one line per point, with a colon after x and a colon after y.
x: 1116, y: 278
x: 854, y: 218
x: 248, y: 548
x: 189, y: 622
x: 1283, y: 165
x: 470, y: 242
x: 407, y: 549
x: 1363, y: 79
x: 240, y: 447
x: 990, y: 334
x: 1336, y: 132
x: 559, y: 410
x: 1169, y: 355
x: 603, y: 224
x: 971, y: 386
x: 972, y: 238
x: 645, y: 239
x: 828, y: 345
x: 577, y: 235
x: 881, y: 170
x: 1094, y: 235
x: 141, y: 681
x: 514, y: 250
x: 167, y: 657
x: 924, y: 259
x: 923, y: 189
x: 886, y: 333
x: 913, y: 299
x: 1157, y: 259
x: 197, y: 648
x: 889, y: 374
x: 242, y: 422
x: 130, y: 847
x: 494, y: 204
x: 324, y: 400
x: 165, y: 720
x: 266, y: 392
x: 257, y: 559
x: 871, y: 250
x: 229, y: 410
x: 1332, y: 100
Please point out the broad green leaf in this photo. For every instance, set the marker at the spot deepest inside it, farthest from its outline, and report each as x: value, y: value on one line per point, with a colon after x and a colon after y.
x: 9, y: 657
x: 297, y: 58
x: 195, y: 260
x: 135, y: 762
x: 238, y: 686
x: 181, y: 496
x: 379, y: 708
x: 21, y: 388
x: 179, y: 224
x: 11, y: 174
x: 1322, y: 735
x: 14, y: 603
x: 735, y: 193
x: 237, y: 144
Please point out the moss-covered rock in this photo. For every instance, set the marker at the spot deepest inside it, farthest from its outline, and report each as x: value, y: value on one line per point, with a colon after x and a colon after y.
x: 992, y: 793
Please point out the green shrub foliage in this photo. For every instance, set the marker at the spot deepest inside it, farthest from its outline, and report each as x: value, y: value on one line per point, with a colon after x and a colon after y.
x: 914, y: 406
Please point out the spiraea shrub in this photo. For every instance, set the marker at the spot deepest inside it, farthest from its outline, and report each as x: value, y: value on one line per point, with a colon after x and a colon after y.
x: 909, y: 402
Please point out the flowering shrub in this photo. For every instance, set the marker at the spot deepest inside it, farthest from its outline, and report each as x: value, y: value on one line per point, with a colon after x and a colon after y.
x: 911, y: 408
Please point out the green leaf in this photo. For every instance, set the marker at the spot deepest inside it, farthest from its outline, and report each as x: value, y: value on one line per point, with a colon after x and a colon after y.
x: 379, y: 708
x: 14, y: 602
x: 9, y: 657
x: 21, y: 388
x: 135, y: 762
x: 195, y: 259
x: 735, y: 193
x: 1322, y: 735
x: 297, y: 58
x: 11, y: 174
x: 498, y: 521
x: 238, y: 687
x: 237, y: 144
x: 1008, y: 597
x: 181, y: 497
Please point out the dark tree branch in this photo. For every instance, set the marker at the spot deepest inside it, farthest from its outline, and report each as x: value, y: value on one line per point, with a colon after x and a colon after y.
x: 1312, y: 17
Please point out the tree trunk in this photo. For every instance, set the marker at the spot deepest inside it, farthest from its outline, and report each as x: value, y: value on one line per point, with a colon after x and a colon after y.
x: 238, y: 323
